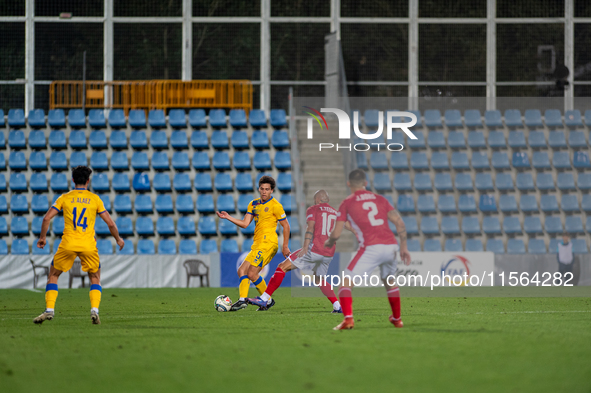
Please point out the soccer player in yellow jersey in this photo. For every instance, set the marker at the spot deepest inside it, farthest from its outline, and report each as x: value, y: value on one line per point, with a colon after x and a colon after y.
x: 80, y: 208
x: 266, y: 212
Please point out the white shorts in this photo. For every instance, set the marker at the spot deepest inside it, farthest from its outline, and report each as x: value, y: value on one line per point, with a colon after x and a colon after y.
x: 311, y: 262
x: 371, y: 257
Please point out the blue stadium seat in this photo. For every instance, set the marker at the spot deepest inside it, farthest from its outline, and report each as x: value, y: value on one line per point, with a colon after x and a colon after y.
x: 361, y: 160
x: 429, y: 225
x: 470, y: 225
x: 574, y: 224
x: 422, y: 182
x: 565, y: 182
x: 163, y: 204
x: 143, y: 204
x: 289, y: 203
x: 119, y: 161
x: 402, y: 182
x: 78, y: 158
x: 467, y: 203
x: 580, y: 246
x: 414, y: 245
x: 219, y: 140
x: 160, y: 161
x: 144, y: 226
x: 257, y: 118
x: 484, y: 182
x: 37, y: 139
x: 491, y: 225
x: 137, y: 118
x: 158, y: 140
x: 225, y: 202
x: 439, y: 161
x: 98, y: 139
x: 436, y: 140
x: 223, y: 182
x: 406, y: 204
x: 260, y: 140
x: 561, y: 160
x: 19, y: 226
x: 241, y: 161
x: 17, y: 140
x: 283, y: 182
x: 584, y: 181
x: 18, y: 182
x: 104, y: 246
x: 474, y: 245
x: 294, y: 224
x: 504, y: 182
x: 208, y: 246
x: 184, y: 204
x: 525, y: 182
x: 553, y: 225
x: 453, y: 245
x: 106, y: 201
x: 572, y: 119
x: 412, y: 227
x: 58, y: 161
x: 378, y: 161
x: 532, y: 225
x: 124, y: 225
x: 472, y: 117
x: 515, y: 246
x: 96, y: 118
x: 162, y: 182
x: 229, y: 245
x: 569, y: 203
x: 399, y: 161
x: 146, y: 247
x: 207, y: 226
x: 536, y: 246
x: 418, y: 143
x: 199, y: 140
x: 419, y: 161
x: 476, y: 140
x: 19, y: 247
x: 544, y: 182
x: 513, y: 118
x: 217, y: 118
x: 205, y: 203
x: 178, y: 140
x: 237, y: 118
x: 278, y: 118
x: 244, y: 182
x: 138, y: 140
x: 381, y: 182
x: 540, y: 160
x: 243, y: 201
x: 165, y: 226
x: 39, y: 204
x: 487, y: 204
x: 59, y: 182
x: 201, y: 160
x: 433, y: 118
x: 240, y: 140
x: 40, y: 251
x: 557, y: 140
x: 581, y: 160
x: 463, y: 182
x: 16, y: 118
x: 180, y: 161
x: 127, y: 249
x: 99, y: 162
x: 520, y: 160
x: 533, y: 118
x: 371, y: 118
x: 202, y: 182
x: 101, y: 228
x: 16, y: 161
x: 517, y: 140
x: 493, y: 119
x: 450, y: 225
x: 553, y: 118
x: 76, y: 118
x: 139, y: 161
x: 442, y: 182
x: 511, y: 225
x: 480, y: 161
x: 537, y: 140
x: 227, y: 228
x: 57, y: 118
x: 167, y: 247
x: 121, y: 182
x: 118, y: 140
x: 456, y: 140
x: 187, y: 247
x: 122, y: 204
x: 528, y: 204
x: 508, y: 204
x: 156, y: 118
x: 282, y: 160
x: 397, y: 137
x: 432, y: 245
x: 117, y: 118
x: 262, y: 161
x: 576, y: 140
x: 197, y: 118
x: 459, y: 161
x: 280, y: 139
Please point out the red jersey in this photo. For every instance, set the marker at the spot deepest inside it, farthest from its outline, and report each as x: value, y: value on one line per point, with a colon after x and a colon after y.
x: 368, y: 214
x: 325, y: 218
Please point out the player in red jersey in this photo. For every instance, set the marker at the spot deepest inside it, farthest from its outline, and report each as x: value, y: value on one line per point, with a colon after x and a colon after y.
x: 368, y: 214
x: 321, y: 219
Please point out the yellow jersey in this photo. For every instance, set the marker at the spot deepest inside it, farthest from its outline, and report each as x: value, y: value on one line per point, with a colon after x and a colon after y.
x: 80, y: 208
x: 266, y: 216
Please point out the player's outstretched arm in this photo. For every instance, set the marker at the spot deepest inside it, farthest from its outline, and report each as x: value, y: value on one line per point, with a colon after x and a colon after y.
x: 335, y: 234
x: 307, y: 238
x: 349, y: 227
x: 286, y: 231
x: 395, y: 219
x: 52, y: 212
x: 112, y: 228
x: 241, y: 223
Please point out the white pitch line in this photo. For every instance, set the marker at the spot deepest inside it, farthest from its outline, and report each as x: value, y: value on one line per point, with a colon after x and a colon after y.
x: 33, y: 290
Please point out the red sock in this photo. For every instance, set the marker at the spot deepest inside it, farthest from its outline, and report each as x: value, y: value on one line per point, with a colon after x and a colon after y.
x: 275, y: 281
x: 394, y: 299
x: 346, y: 301
x: 328, y: 292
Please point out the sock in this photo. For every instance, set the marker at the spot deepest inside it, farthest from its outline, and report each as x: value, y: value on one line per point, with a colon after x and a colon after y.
x: 50, y: 296
x: 394, y: 299
x: 265, y: 297
x: 95, y: 296
x: 243, y: 287
x: 328, y: 292
x: 260, y: 285
x: 346, y: 301
x: 336, y: 305
x: 275, y: 282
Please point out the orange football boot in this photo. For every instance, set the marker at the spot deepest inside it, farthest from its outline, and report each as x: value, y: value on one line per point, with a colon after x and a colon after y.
x: 396, y: 323
x: 347, y: 324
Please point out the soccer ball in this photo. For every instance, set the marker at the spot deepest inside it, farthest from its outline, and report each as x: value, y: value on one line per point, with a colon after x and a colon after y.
x: 222, y: 303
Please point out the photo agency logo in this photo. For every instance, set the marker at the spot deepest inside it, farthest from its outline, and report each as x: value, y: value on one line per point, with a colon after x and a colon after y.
x: 394, y: 120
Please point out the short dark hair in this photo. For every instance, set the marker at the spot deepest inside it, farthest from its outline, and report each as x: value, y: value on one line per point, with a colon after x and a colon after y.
x: 357, y: 176
x: 267, y: 180
x: 81, y: 174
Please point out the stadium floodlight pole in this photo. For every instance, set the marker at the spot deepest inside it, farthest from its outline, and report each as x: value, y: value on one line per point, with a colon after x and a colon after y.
x: 569, y: 53
x: 265, y: 88
x: 491, y: 55
x: 413, y: 55
x: 29, y: 56
x: 187, y: 51
x: 84, y: 81
x: 297, y: 179
x: 108, y: 53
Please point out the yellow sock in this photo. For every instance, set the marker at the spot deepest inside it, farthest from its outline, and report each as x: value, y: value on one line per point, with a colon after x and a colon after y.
x: 243, y: 287
x: 95, y: 296
x: 261, y: 285
x: 50, y: 296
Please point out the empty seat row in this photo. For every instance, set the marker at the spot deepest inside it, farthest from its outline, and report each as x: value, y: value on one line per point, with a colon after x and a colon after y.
x: 514, y: 246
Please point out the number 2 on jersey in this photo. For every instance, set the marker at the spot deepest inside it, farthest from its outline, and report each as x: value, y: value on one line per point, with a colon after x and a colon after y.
x: 371, y: 215
x: 328, y: 222
x: 80, y: 223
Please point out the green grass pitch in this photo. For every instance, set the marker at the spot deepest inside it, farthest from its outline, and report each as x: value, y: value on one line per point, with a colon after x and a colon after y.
x: 173, y: 340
